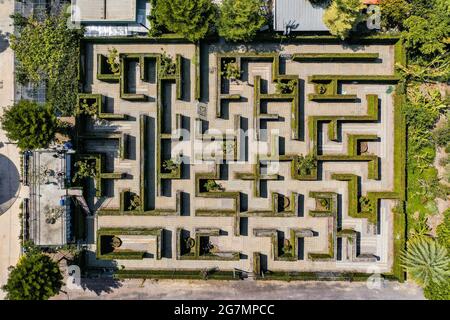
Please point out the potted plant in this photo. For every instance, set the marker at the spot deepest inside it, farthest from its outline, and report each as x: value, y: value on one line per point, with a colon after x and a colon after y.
x: 113, y: 61
x: 230, y: 71
x: 212, y: 186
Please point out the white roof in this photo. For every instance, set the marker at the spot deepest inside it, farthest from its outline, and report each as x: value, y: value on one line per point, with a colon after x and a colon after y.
x: 104, y: 10
x: 301, y: 15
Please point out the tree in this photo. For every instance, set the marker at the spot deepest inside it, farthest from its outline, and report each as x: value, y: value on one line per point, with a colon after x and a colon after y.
x: 240, y: 20
x: 394, y: 12
x: 190, y: 18
x: 342, y: 15
x: 426, y: 261
x: 48, y: 51
x: 35, y: 277
x: 31, y: 125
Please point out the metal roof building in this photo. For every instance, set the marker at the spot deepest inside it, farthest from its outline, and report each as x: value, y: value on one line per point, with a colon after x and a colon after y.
x: 105, y: 10
x: 298, y: 15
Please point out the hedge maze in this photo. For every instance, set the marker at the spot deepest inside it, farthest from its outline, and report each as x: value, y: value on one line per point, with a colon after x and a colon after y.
x: 212, y: 162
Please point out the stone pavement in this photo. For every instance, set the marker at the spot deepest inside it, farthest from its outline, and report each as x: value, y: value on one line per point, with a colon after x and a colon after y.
x: 9, y: 155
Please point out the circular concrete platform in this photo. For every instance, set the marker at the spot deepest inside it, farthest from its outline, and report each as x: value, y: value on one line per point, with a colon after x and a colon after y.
x: 9, y: 183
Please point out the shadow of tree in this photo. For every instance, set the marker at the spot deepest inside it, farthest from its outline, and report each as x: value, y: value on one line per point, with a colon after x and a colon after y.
x: 4, y: 41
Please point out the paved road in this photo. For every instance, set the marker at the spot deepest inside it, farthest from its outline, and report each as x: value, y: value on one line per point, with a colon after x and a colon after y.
x: 9, y: 220
x: 249, y: 290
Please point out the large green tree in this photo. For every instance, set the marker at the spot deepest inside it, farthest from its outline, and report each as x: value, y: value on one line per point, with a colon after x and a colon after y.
x: 47, y: 50
x: 426, y: 261
x: 35, y: 277
x: 342, y: 15
x: 240, y: 20
x: 394, y: 12
x: 31, y: 125
x: 193, y: 19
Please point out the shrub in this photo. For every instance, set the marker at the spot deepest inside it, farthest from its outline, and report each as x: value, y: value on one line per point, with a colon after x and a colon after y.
x: 305, y: 165
x: 84, y: 169
x: 168, y: 67
x: 211, y: 186
x: 285, y: 87
x: 113, y: 61
x: 439, y: 291
x: 31, y: 125
x: 240, y: 20
x: 230, y: 70
x: 170, y: 165
x: 86, y: 108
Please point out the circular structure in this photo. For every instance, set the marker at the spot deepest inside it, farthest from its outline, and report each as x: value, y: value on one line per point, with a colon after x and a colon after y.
x: 9, y: 183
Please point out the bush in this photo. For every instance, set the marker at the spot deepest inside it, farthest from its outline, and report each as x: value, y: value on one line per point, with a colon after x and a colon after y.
x: 438, y: 291
x: 240, y: 20
x: 31, y: 125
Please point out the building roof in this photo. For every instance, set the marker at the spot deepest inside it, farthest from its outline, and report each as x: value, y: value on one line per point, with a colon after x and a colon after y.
x: 104, y: 10
x: 300, y: 15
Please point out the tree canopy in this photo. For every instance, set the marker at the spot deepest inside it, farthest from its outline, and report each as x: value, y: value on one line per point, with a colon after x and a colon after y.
x: 48, y: 51
x: 342, y: 15
x: 35, y: 277
x: 192, y: 19
x: 240, y: 20
x: 31, y: 125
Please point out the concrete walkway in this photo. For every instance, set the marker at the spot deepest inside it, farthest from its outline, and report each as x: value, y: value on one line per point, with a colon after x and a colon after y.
x: 247, y: 290
x: 9, y: 219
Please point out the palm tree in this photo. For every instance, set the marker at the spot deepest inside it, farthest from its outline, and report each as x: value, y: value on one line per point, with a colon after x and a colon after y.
x: 426, y: 261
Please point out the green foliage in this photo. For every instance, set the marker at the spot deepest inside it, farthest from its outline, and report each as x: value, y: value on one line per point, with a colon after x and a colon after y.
x: 366, y: 204
x: 113, y: 61
x: 426, y: 34
x: 84, y: 169
x: 240, y: 20
x: 49, y: 51
x: 230, y: 70
x: 86, y: 107
x: 426, y: 261
x: 394, y: 12
x: 35, y: 277
x: 190, y: 18
x: 342, y: 15
x: 170, y: 165
x: 305, y: 164
x: 168, y: 67
x: 442, y: 134
x: 285, y: 87
x: 424, y: 107
x: 211, y: 186
x: 135, y: 202
x: 443, y: 231
x: 31, y: 125
x: 439, y: 291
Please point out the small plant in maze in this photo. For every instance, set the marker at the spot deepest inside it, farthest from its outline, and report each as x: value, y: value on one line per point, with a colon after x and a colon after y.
x: 113, y: 61
x: 324, y: 203
x: 287, y: 248
x: 170, y: 165
x: 230, y: 70
x: 366, y: 204
x: 168, y: 67
x: 305, y: 165
x: 84, y: 169
x: 212, y: 186
x: 285, y: 87
x: 189, y: 244
x: 86, y: 108
x: 135, y: 202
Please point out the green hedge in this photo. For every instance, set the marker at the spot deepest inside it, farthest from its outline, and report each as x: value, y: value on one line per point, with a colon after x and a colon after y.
x: 334, y: 57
